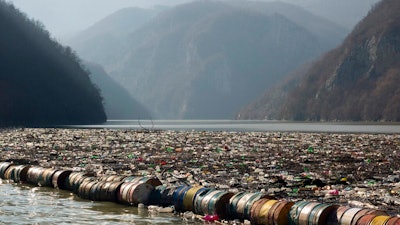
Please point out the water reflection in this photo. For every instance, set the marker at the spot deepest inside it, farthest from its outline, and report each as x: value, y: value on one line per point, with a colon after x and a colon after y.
x: 25, y: 204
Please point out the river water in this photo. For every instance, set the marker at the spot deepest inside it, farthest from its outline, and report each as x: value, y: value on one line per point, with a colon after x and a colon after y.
x: 26, y: 204
x: 249, y: 125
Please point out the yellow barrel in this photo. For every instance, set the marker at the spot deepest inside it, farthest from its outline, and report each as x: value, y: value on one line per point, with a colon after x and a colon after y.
x: 264, y: 211
x: 380, y: 220
x: 188, y: 199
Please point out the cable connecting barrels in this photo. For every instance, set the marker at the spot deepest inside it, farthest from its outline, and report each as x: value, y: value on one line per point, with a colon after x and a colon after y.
x: 256, y: 207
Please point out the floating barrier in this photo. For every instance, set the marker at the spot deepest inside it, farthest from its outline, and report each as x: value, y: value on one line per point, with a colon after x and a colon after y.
x: 211, y: 203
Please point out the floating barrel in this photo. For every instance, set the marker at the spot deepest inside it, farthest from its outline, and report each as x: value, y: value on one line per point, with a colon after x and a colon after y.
x: 3, y: 168
x: 17, y: 173
x: 112, y: 191
x: 46, y: 178
x: 198, y: 200
x: 279, y: 215
x: 84, y: 189
x: 233, y: 204
x: 134, y: 193
x: 380, y: 220
x: 33, y: 175
x: 109, y: 178
x: 216, y: 203
x: 366, y: 219
x: 153, y: 181
x: 105, y: 191
x: 315, y: 213
x: 244, y: 204
x: 295, y: 212
x: 393, y: 221
x: 359, y: 214
x: 255, y: 210
x: 178, y: 197
x: 74, y: 180
x: 162, y: 195
x: 60, y: 178
x: 264, y: 211
x: 188, y: 199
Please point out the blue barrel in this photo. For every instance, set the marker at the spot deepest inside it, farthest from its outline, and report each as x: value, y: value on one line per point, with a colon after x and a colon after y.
x: 197, y: 202
x: 162, y: 196
x: 178, y: 197
x: 217, y: 203
x: 233, y: 204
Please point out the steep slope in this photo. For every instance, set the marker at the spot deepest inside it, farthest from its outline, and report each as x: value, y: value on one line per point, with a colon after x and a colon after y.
x: 357, y: 81
x: 100, y: 42
x: 41, y: 82
x: 118, y: 103
x: 206, y: 59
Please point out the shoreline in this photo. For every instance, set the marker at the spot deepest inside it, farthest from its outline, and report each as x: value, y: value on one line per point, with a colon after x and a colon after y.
x: 361, y: 170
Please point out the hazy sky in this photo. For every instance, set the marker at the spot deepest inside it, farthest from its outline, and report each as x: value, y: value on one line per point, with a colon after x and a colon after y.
x: 64, y: 17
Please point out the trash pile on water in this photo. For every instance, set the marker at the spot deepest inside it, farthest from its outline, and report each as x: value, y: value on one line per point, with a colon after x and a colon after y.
x: 355, y: 170
x: 214, y: 205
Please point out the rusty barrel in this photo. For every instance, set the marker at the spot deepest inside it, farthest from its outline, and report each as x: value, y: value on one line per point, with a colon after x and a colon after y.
x: 75, y: 179
x: 85, y: 187
x: 393, y: 221
x: 59, y: 179
x: 3, y: 168
x: 264, y: 212
x: 316, y: 214
x: 133, y: 193
x: 17, y: 173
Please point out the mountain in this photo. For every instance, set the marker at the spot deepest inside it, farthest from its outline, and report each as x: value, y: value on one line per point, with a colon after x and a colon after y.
x: 41, y: 82
x: 118, y: 103
x: 343, y: 12
x: 206, y: 59
x: 358, y: 81
x: 104, y: 39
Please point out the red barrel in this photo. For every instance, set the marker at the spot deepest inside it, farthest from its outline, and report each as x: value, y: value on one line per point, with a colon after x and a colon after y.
x: 393, y: 221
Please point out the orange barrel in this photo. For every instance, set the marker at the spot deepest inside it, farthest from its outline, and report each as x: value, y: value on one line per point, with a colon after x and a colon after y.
x: 359, y: 214
x: 366, y: 219
x: 198, y: 199
x: 218, y: 204
x: 112, y: 178
x: 134, y: 193
x: 349, y: 216
x: 294, y: 212
x: 188, y: 198
x: 60, y: 178
x: 255, y: 209
x: 154, y: 181
x: 281, y: 212
x: 233, y: 204
x: 319, y: 215
x: 177, y: 197
x: 393, y: 221
x: 3, y: 168
x: 264, y: 211
x: 380, y: 220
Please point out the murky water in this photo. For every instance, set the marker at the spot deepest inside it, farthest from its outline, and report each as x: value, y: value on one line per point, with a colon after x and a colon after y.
x: 26, y: 204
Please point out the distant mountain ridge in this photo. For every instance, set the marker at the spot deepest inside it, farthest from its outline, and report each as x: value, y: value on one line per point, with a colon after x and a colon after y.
x: 41, y: 82
x: 358, y: 81
x: 206, y: 59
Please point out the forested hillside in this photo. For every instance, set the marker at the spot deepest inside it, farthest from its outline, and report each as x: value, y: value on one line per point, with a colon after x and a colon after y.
x: 41, y: 82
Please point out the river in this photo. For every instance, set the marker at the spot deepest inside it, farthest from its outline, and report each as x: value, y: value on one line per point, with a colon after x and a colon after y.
x: 26, y: 204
